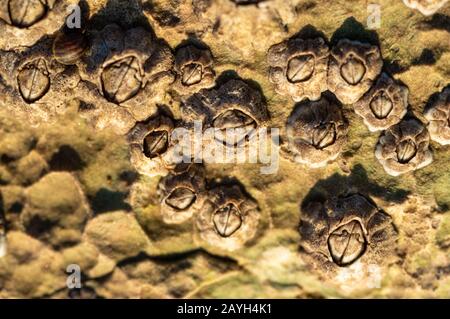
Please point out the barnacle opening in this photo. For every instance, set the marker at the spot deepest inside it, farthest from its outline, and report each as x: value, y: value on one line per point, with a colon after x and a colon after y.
x: 156, y: 143
x: 381, y: 105
x: 25, y: 13
x: 227, y: 220
x: 181, y: 198
x: 347, y: 243
x: 353, y: 70
x: 324, y: 135
x: 121, y: 80
x: 406, y: 150
x: 233, y: 127
x: 300, y: 68
x: 192, y: 74
x: 33, y: 80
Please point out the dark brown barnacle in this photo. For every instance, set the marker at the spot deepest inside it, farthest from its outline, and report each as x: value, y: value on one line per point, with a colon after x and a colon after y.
x: 151, y: 145
x: 194, y: 69
x: 25, y: 13
x: 69, y: 47
x: 346, y: 229
x: 298, y: 67
x: 181, y: 193
x: 352, y: 69
x: 122, y: 79
x: 384, y: 105
x: 316, y: 132
x: 228, y: 218
x: 33, y: 80
x: 404, y: 147
x: 438, y: 116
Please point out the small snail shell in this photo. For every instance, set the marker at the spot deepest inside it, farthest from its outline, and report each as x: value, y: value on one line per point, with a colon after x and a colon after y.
x: 68, y: 47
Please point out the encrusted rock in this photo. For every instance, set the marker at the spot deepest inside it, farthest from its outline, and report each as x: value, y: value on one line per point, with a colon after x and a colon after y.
x: 298, y: 67
x: 404, y: 147
x: 316, y: 132
x: 438, y: 115
x: 352, y: 69
x: 384, y: 105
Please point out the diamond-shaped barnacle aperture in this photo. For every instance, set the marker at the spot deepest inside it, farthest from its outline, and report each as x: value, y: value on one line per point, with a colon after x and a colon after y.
x: 233, y: 112
x: 404, y: 147
x: 181, y: 193
x: 298, y: 67
x: 316, y: 132
x: 426, y: 7
x: 352, y: 69
x: 438, y: 115
x: 194, y: 69
x: 228, y: 218
x: 151, y: 146
x: 384, y: 105
x: 34, y: 87
x: 131, y: 68
x: 345, y: 229
x: 24, y: 22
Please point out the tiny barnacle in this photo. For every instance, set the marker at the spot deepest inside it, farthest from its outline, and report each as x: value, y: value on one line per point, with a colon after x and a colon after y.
x: 298, y: 67
x: 228, y: 218
x: 33, y: 80
x: 384, y: 104
x: 181, y: 193
x: 69, y: 46
x: 404, y: 147
x: 25, y: 13
x: 438, y: 115
x: 353, y: 67
x: 151, y: 145
x: 345, y: 229
x: 194, y: 69
x: 426, y: 7
x: 316, y: 132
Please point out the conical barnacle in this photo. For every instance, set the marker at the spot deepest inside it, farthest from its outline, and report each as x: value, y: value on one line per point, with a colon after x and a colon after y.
x: 316, y: 132
x: 426, y: 7
x: 352, y: 68
x: 24, y: 22
x: 181, y: 193
x: 345, y: 229
x: 152, y: 146
x: 228, y: 218
x: 298, y: 67
x: 384, y: 105
x: 404, y: 147
x: 438, y: 115
x: 232, y: 114
x: 69, y: 47
x: 194, y: 69
x: 131, y: 68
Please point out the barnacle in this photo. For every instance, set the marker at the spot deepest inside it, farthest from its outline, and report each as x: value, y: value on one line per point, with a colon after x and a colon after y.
x: 438, y: 115
x: 352, y: 69
x: 345, y: 229
x: 228, y: 218
x: 404, y: 147
x: 194, y: 68
x: 316, y: 132
x: 181, y: 193
x: 384, y: 105
x: 298, y: 67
